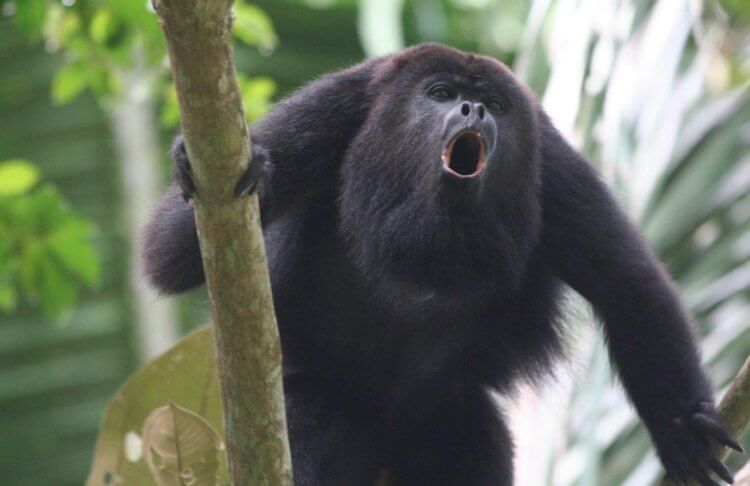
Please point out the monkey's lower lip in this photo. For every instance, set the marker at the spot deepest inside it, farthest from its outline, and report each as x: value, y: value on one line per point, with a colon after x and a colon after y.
x: 465, y: 154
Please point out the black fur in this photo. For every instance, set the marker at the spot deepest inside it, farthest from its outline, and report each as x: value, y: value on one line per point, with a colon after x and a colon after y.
x: 404, y: 293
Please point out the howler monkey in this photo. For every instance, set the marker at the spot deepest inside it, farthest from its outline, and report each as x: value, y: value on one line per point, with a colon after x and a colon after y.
x: 422, y: 215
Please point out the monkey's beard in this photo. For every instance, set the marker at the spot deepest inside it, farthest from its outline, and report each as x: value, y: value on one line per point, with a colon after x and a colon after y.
x: 400, y: 219
x: 412, y: 234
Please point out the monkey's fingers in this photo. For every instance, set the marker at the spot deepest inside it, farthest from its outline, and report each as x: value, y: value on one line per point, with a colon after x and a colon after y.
x: 251, y: 179
x: 686, y: 468
x: 185, y: 180
x: 712, y: 428
x: 718, y: 467
x: 248, y: 183
x: 699, y: 453
x: 182, y: 173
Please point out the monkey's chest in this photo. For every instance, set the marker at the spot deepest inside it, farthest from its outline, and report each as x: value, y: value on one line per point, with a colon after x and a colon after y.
x: 343, y: 331
x: 336, y: 323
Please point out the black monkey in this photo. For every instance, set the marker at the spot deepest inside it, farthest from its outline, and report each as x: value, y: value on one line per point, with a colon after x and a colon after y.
x: 421, y: 215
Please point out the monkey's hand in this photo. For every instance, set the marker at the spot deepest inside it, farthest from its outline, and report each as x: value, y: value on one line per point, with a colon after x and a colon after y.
x: 251, y: 180
x: 684, y: 449
x: 183, y: 173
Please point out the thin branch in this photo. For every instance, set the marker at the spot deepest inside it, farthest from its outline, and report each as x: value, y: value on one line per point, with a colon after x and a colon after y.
x: 247, y: 342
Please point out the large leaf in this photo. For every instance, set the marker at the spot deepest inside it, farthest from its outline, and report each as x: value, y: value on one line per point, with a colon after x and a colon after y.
x: 180, y: 447
x: 186, y: 376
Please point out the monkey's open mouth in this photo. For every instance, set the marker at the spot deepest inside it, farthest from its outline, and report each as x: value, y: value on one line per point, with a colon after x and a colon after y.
x: 465, y: 154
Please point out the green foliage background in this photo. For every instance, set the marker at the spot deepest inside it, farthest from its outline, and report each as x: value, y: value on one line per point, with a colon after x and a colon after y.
x: 55, y: 379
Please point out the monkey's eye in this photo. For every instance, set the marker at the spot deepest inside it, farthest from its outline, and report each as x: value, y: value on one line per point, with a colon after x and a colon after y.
x: 498, y: 105
x: 441, y: 92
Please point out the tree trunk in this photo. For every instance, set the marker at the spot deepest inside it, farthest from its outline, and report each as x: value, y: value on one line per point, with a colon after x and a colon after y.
x: 248, y: 352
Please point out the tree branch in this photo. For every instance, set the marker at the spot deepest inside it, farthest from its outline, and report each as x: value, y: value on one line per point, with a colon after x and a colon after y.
x: 248, y: 353
x: 734, y: 408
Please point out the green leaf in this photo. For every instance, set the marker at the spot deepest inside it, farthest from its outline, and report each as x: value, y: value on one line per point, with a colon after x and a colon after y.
x: 170, y: 112
x: 103, y: 25
x: 30, y: 16
x: 62, y: 26
x: 8, y: 297
x: 45, y: 250
x: 180, y: 447
x: 70, y: 80
x: 185, y: 375
x: 134, y: 12
x: 58, y: 293
x: 71, y: 245
x: 17, y: 176
x: 29, y: 271
x: 256, y: 95
x: 253, y: 27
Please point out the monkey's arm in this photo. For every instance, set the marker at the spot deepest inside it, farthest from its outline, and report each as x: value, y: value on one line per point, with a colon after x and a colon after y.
x: 298, y: 146
x: 170, y: 253
x: 591, y: 245
x: 297, y: 149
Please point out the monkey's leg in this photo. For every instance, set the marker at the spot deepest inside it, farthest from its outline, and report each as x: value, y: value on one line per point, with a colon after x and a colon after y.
x: 449, y: 435
x: 330, y: 444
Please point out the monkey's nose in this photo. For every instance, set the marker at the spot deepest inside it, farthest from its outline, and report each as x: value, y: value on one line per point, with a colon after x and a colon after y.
x: 468, y: 108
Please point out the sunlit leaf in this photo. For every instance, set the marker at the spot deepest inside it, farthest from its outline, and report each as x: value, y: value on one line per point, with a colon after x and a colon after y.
x: 253, y: 27
x: 62, y: 25
x: 103, y: 25
x: 180, y: 447
x: 134, y: 12
x: 69, y: 81
x: 256, y: 95
x: 17, y: 176
x: 170, y: 112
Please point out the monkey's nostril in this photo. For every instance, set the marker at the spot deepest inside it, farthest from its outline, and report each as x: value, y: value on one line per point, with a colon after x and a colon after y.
x: 480, y: 110
x: 465, y: 109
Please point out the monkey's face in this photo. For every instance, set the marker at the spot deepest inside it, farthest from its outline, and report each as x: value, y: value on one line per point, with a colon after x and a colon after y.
x: 443, y: 168
x: 473, y: 127
x: 469, y: 129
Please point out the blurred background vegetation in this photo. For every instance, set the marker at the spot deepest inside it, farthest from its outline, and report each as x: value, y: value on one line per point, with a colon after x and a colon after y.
x: 655, y: 92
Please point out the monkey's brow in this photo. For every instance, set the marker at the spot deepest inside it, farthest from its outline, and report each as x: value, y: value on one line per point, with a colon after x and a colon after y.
x: 465, y: 80
x: 474, y: 80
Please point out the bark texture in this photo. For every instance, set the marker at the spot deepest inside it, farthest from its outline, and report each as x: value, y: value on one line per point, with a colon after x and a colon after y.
x: 248, y: 351
x: 734, y: 408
